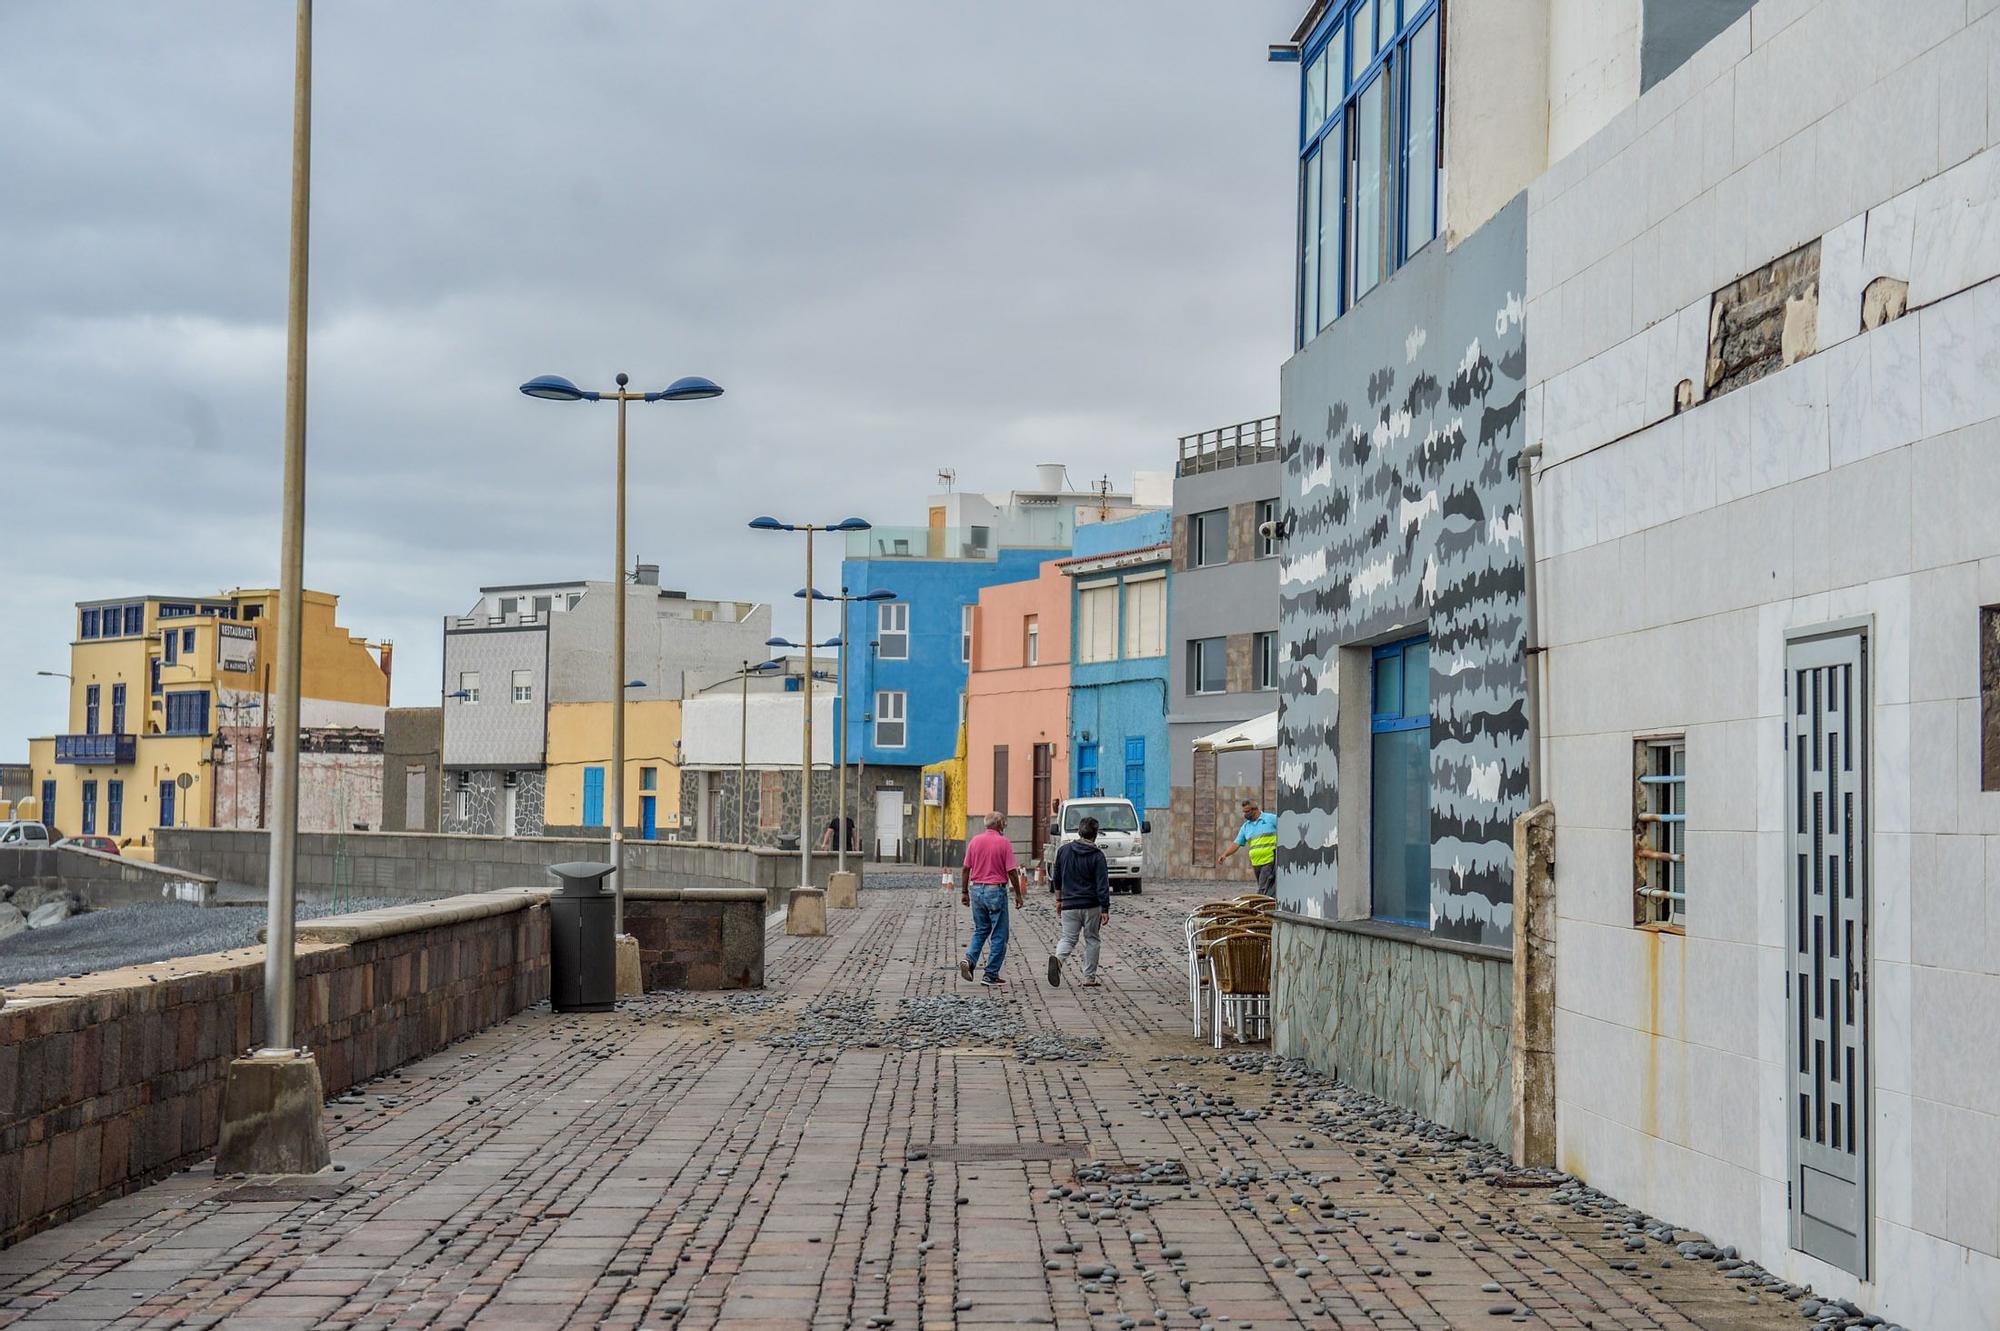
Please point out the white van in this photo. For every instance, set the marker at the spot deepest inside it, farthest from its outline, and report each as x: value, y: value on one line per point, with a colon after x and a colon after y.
x: 1120, y: 833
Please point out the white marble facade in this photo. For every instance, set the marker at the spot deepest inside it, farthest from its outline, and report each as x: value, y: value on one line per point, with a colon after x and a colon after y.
x: 1675, y: 552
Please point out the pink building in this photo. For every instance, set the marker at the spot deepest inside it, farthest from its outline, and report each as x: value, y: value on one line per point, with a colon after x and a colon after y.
x: 1017, y: 706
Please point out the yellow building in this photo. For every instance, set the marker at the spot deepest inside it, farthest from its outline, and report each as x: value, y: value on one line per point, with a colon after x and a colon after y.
x: 164, y: 690
x: 579, y: 752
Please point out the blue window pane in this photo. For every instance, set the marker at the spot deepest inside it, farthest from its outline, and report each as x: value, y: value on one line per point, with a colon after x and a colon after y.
x: 1370, y: 200
x: 1421, y: 140
x: 187, y: 640
x: 1315, y: 94
x: 1388, y: 685
x: 1400, y: 841
x: 89, y: 628
x: 1417, y: 679
x: 1310, y: 245
x: 1363, y: 27
x: 114, y: 808
x: 135, y: 620
x: 170, y: 646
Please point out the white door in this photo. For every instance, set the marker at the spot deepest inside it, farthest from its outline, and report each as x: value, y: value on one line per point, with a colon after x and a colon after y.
x: 507, y: 815
x: 888, y: 824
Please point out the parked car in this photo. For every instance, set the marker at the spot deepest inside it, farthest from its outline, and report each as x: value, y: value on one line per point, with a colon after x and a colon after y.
x: 21, y: 833
x: 103, y: 845
x: 1120, y: 832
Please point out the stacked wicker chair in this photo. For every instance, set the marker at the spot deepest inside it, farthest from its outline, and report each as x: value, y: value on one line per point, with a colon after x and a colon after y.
x: 1229, y: 966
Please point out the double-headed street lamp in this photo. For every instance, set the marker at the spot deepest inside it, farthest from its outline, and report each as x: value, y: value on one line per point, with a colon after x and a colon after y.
x: 810, y: 529
x: 805, y: 772
x: 743, y: 738
x: 555, y: 388
x: 811, y: 594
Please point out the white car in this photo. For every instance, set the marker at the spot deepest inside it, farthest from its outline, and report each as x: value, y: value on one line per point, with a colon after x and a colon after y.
x: 23, y: 833
x: 1120, y: 835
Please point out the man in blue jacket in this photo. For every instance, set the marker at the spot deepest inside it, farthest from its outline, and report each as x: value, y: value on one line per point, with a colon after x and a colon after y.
x: 1083, y: 882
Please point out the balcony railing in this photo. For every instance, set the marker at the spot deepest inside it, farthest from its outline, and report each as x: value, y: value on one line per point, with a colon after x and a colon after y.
x: 1051, y: 530
x: 1231, y: 446
x: 95, y: 750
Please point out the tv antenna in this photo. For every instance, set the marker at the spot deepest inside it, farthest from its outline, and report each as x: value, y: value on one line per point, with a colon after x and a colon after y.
x: 946, y: 476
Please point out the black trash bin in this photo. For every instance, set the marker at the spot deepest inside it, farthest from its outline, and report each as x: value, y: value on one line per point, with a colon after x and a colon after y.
x: 583, y: 961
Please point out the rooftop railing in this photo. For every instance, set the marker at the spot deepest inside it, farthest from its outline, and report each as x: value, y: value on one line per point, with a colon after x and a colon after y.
x: 1230, y: 446
x: 96, y: 750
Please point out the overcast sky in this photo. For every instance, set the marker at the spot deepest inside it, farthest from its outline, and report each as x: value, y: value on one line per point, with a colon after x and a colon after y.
x: 904, y: 234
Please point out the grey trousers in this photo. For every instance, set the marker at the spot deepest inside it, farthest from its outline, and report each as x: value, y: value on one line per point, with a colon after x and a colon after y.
x: 1085, y: 924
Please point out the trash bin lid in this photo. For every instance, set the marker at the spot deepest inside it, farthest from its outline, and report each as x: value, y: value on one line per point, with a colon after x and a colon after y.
x: 581, y: 875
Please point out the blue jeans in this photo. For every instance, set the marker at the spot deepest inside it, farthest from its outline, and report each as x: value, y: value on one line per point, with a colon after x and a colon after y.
x: 989, y: 926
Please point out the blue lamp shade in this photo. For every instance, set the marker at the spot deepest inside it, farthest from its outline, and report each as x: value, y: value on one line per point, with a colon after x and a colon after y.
x: 851, y: 524
x: 553, y: 387
x: 880, y: 594
x: 815, y: 593
x: 635, y: 683
x: 690, y: 388
x: 778, y: 642
x: 769, y: 524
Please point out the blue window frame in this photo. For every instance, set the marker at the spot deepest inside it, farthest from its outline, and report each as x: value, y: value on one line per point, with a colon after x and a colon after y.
x: 1086, y: 771
x: 114, y: 808
x: 187, y: 640
x: 117, y: 709
x: 89, y: 808
x: 166, y: 804
x: 1370, y: 110
x: 187, y: 713
x: 1135, y: 771
x: 156, y: 674
x: 90, y: 697
x: 1400, y: 796
x: 593, y: 797
x: 135, y: 620
x: 49, y: 805
x: 88, y: 627
x: 170, y: 646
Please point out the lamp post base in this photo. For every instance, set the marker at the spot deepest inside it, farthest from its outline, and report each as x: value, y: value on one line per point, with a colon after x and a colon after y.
x: 271, y: 1122
x: 805, y: 913
x: 843, y: 891
x: 631, y: 980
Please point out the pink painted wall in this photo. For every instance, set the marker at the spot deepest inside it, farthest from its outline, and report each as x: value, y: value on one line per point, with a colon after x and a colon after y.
x: 1011, y: 703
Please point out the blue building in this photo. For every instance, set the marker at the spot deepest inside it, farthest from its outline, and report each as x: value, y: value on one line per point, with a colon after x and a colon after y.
x: 1119, y: 588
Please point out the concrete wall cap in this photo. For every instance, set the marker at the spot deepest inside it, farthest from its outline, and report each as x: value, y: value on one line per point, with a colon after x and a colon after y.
x: 363, y: 926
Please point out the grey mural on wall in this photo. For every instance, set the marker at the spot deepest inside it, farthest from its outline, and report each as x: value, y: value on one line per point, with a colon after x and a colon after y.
x: 1403, y: 426
x: 530, y: 790
x: 471, y: 802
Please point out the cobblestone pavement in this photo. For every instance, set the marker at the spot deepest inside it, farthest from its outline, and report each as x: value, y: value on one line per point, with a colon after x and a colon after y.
x: 825, y: 1154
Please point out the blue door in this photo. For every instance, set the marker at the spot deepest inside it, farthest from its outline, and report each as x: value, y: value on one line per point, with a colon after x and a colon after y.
x: 1399, y: 846
x: 89, y: 807
x: 647, y: 815
x: 49, y: 806
x: 114, y: 808
x: 1135, y: 771
x: 166, y: 804
x: 593, y: 797
x: 1086, y: 771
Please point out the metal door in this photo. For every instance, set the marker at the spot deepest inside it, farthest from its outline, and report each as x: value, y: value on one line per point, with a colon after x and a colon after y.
x: 1826, y: 920
x: 1000, y: 778
x: 1042, y: 803
x: 889, y: 824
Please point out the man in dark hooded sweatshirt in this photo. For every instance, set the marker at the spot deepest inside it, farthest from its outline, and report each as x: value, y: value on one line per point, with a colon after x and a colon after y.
x: 1083, y: 882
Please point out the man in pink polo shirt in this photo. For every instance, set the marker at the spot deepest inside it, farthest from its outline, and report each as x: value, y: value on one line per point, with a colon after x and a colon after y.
x: 989, y: 871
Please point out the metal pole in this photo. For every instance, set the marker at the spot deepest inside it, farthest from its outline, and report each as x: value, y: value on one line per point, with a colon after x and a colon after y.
x: 742, y: 759
x: 806, y: 770
x: 616, y: 814
x: 840, y: 732
x: 278, y: 960
x: 1531, y: 646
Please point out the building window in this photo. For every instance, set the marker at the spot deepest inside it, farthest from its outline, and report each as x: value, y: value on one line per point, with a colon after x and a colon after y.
x: 170, y: 646
x: 570, y: 599
x: 524, y: 688
x: 88, y: 627
x: 468, y: 686
x: 1086, y: 772
x: 1031, y: 640
x: 1659, y: 832
x: 1208, y: 665
x: 891, y: 730
x: 1264, y: 660
x: 649, y: 778
x: 509, y: 780
x: 1146, y: 616
x: 509, y: 605
x: 1369, y: 151
x: 187, y: 642
x: 965, y: 633
x: 89, y: 808
x: 543, y: 604
x: 1989, y: 698
x: 90, y: 709
x: 770, y: 799
x: 892, y: 630
x: 175, y: 611
x: 1097, y: 621
x: 1208, y: 537
x: 187, y: 713
x: 1399, y: 842
x: 154, y: 667
x: 117, y: 709
x: 135, y: 620
x: 1267, y: 528
x: 464, y: 797
x: 114, y: 808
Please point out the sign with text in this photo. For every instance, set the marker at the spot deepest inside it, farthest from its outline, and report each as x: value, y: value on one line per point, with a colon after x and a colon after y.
x: 236, y: 647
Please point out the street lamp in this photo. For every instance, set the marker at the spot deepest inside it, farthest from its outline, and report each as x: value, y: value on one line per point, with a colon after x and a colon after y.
x: 804, y: 924
x: 56, y: 674
x: 743, y: 739
x: 840, y: 702
x: 555, y: 388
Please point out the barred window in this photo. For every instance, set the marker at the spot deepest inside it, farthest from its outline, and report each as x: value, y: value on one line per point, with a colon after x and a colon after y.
x: 1659, y: 832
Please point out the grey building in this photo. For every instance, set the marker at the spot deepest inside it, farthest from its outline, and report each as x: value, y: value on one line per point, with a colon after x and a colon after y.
x: 1223, y: 623
x: 524, y: 646
x: 412, y: 768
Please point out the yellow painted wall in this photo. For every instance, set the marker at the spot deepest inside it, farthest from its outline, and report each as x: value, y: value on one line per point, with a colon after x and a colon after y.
x: 954, y: 797
x: 580, y: 737
x: 334, y: 665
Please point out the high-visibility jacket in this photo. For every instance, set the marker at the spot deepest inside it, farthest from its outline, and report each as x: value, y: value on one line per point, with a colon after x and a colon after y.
x: 1259, y: 836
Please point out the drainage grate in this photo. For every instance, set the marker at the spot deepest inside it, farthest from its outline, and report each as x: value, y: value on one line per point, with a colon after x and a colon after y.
x: 983, y: 1152
x: 300, y: 1190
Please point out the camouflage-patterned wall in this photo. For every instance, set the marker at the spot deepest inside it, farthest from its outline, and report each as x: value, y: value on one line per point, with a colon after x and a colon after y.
x: 1403, y: 425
